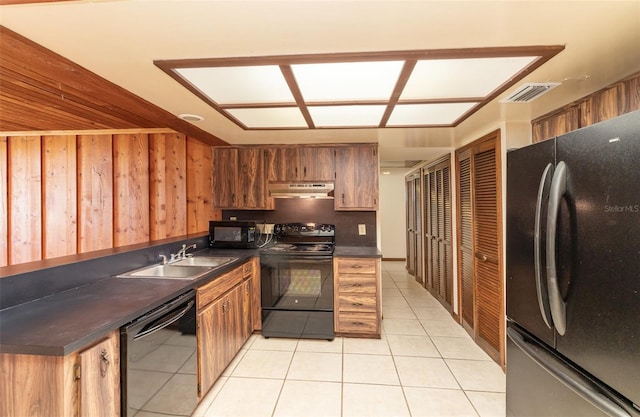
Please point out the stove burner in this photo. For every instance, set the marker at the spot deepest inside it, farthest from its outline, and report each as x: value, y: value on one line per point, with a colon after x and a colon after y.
x: 282, y: 247
x: 303, y: 238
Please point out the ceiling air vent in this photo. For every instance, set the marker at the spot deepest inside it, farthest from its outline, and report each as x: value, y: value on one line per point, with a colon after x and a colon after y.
x: 529, y: 91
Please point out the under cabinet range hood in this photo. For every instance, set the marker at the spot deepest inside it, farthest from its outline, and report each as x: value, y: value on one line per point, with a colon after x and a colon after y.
x: 301, y: 190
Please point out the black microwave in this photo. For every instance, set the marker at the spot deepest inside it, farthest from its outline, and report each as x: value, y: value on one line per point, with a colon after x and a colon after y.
x: 232, y: 234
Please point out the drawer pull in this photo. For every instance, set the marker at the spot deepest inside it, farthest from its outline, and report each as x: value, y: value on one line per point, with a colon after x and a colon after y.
x: 357, y: 304
x: 357, y: 285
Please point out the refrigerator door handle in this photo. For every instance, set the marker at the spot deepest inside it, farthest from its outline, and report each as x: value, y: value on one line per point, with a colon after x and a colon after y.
x: 570, y: 378
x: 556, y: 303
x: 543, y: 299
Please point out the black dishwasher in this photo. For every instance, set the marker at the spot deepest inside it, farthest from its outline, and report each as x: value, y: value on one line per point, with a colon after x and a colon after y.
x: 158, y: 360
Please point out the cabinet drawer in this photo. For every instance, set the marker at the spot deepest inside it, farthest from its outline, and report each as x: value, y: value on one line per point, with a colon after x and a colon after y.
x: 356, y: 266
x: 209, y: 292
x: 357, y: 323
x: 363, y: 283
x: 357, y: 303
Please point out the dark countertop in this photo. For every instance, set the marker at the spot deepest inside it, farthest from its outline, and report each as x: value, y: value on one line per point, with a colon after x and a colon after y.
x: 65, y: 322
x: 62, y: 323
x: 357, y: 252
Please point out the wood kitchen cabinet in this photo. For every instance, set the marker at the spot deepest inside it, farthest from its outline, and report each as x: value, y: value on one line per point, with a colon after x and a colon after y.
x: 300, y: 163
x: 84, y: 383
x: 238, y: 178
x: 224, y: 321
x: 357, y: 310
x: 357, y: 178
x: 317, y: 163
x: 241, y: 174
x: 252, y: 271
x: 283, y: 164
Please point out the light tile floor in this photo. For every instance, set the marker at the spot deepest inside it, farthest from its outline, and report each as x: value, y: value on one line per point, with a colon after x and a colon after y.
x: 425, y: 364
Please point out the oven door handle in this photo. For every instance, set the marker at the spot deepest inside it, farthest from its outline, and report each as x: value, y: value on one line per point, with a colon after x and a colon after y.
x: 163, y: 321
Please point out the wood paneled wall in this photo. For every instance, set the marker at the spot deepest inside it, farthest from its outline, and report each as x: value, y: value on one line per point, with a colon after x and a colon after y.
x: 67, y: 194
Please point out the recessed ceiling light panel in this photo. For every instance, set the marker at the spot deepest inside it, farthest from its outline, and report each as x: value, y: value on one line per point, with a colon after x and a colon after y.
x: 272, y: 117
x: 347, y: 81
x: 418, y: 88
x: 239, y: 85
x: 341, y: 116
x: 428, y: 114
x: 472, y: 77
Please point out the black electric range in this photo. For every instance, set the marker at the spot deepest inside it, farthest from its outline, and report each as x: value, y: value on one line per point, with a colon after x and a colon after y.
x: 297, y: 282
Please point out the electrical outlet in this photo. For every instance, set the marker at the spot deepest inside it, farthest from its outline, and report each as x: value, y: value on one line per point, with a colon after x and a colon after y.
x: 362, y: 229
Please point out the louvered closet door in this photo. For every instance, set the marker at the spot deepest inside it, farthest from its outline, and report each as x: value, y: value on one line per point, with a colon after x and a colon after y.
x: 487, y: 272
x: 433, y: 260
x: 465, y: 248
x: 417, y: 186
x: 438, y: 233
x: 480, y: 230
x: 446, y: 258
x: 411, y: 237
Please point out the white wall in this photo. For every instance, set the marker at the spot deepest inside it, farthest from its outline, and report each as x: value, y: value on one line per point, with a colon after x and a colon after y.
x: 392, y: 214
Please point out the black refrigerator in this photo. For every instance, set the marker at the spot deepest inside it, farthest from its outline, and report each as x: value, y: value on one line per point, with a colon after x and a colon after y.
x: 573, y: 273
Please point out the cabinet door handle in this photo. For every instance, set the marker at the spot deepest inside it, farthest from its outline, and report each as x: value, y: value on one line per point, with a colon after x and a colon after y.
x: 104, y: 362
x: 304, y: 171
x: 342, y: 198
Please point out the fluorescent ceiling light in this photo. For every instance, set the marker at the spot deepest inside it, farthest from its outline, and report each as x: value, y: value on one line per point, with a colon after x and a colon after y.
x: 419, y: 88
x: 340, y: 116
x: 347, y: 81
x: 238, y: 85
x: 284, y: 117
x: 459, y: 78
x: 441, y: 114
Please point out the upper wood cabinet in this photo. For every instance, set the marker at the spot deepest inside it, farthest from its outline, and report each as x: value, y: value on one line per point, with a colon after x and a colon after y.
x: 238, y: 178
x: 307, y: 163
x: 612, y: 101
x: 317, y: 164
x: 241, y: 174
x: 357, y: 177
x: 282, y: 164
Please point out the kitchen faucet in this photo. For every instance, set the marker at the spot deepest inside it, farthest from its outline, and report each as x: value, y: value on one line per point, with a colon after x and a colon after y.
x: 182, y: 253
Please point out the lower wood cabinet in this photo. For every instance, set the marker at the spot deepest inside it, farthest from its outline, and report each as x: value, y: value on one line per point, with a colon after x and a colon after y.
x: 357, y: 310
x: 225, y: 322
x: 84, y: 383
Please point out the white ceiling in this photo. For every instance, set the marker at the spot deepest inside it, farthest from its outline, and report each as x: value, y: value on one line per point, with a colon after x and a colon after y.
x: 120, y: 39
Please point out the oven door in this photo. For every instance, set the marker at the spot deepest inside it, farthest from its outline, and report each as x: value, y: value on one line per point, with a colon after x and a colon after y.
x: 297, y: 282
x: 297, y: 296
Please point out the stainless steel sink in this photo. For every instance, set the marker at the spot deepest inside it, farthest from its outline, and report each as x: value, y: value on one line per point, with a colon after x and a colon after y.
x: 188, y: 268
x: 214, y: 261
